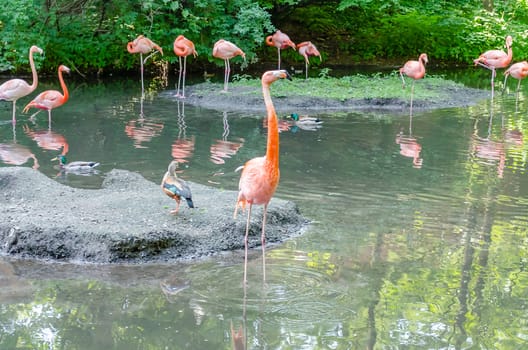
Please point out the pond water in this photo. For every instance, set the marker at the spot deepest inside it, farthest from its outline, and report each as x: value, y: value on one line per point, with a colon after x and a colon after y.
x: 419, y: 237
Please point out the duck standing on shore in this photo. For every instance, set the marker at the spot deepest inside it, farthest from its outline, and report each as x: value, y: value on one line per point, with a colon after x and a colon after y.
x: 176, y: 188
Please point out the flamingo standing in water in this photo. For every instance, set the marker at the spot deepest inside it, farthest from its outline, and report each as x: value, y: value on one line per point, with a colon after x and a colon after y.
x: 414, y: 70
x: 226, y: 50
x: 14, y: 89
x: 307, y: 49
x: 183, y: 47
x: 143, y: 45
x: 50, y: 99
x: 493, y: 59
x: 280, y: 41
x: 518, y: 71
x: 260, y: 176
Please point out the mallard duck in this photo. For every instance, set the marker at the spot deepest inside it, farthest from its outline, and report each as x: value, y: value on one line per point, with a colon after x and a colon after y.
x: 305, y: 122
x: 175, y: 187
x: 75, y: 167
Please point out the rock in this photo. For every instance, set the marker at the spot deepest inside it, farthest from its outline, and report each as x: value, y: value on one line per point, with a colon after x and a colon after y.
x: 127, y: 220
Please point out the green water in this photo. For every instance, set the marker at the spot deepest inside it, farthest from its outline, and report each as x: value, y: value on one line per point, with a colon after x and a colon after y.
x: 407, y: 250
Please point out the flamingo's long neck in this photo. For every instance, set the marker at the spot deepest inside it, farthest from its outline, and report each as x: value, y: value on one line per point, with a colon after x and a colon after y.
x: 272, y: 148
x: 33, y: 71
x: 510, y: 53
x: 66, y: 95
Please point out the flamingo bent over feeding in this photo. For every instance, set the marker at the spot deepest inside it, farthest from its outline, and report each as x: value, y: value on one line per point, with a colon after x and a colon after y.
x: 307, y: 49
x: 415, y: 70
x: 14, y: 89
x: 280, y: 41
x: 260, y: 175
x: 143, y: 45
x: 183, y: 47
x: 50, y: 99
x: 493, y: 59
x: 518, y: 71
x: 226, y: 50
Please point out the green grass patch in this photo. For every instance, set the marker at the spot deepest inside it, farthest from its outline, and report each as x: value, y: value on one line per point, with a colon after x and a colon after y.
x: 355, y: 86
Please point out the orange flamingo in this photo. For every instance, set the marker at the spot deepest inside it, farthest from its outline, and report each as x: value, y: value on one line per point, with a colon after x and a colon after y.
x: 493, y: 59
x: 183, y: 47
x: 143, y: 45
x: 14, y: 89
x: 50, y: 99
x: 307, y: 49
x: 518, y: 71
x: 414, y: 70
x: 226, y: 50
x: 260, y: 176
x: 280, y: 41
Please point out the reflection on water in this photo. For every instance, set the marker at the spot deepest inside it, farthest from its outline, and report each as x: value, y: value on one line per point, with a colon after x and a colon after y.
x: 222, y: 149
x: 395, y: 257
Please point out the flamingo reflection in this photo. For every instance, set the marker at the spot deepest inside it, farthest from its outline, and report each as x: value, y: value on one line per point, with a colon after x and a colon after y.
x: 182, y: 147
x: 487, y: 149
x: 222, y: 149
x: 142, y: 130
x: 48, y: 139
x: 15, y: 154
x: 409, y: 146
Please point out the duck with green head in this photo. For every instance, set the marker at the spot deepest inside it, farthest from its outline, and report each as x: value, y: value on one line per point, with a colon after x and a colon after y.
x: 75, y: 167
x: 305, y: 122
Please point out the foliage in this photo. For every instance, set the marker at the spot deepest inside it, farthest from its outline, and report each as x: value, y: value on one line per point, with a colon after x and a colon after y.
x: 91, y: 35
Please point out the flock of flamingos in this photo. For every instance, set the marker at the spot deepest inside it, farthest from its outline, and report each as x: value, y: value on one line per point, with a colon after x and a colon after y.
x: 259, y: 176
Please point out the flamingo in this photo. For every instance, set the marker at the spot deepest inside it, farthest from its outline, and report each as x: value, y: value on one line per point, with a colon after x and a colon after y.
x: 143, y: 45
x: 260, y: 176
x: 14, y: 89
x: 183, y: 47
x: 50, y: 99
x: 307, y: 49
x: 175, y: 187
x: 280, y: 41
x: 493, y: 59
x: 518, y: 71
x: 226, y: 50
x: 414, y: 70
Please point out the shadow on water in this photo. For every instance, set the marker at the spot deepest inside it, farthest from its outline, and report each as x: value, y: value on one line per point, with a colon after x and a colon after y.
x: 418, y: 240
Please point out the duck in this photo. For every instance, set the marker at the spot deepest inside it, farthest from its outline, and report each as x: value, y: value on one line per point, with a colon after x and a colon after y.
x: 305, y: 122
x: 176, y: 188
x: 75, y: 167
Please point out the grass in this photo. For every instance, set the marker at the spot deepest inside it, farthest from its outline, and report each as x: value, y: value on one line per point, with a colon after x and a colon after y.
x: 356, y: 86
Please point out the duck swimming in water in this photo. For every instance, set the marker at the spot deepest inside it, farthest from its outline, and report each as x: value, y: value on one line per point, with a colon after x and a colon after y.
x: 175, y: 187
x: 305, y: 122
x: 77, y: 167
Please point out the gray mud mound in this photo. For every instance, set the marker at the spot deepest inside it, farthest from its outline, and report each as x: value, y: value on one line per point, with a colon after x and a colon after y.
x: 126, y: 221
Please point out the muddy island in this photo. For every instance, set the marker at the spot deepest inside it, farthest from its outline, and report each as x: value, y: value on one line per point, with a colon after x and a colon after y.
x: 127, y: 220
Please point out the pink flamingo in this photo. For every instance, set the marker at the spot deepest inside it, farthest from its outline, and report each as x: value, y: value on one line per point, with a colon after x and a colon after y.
x: 14, y: 89
x: 226, y: 50
x: 50, y: 99
x: 414, y: 70
x: 280, y: 41
x: 260, y: 176
x: 518, y: 71
x: 307, y: 49
x: 143, y: 45
x: 183, y: 47
x: 493, y: 59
